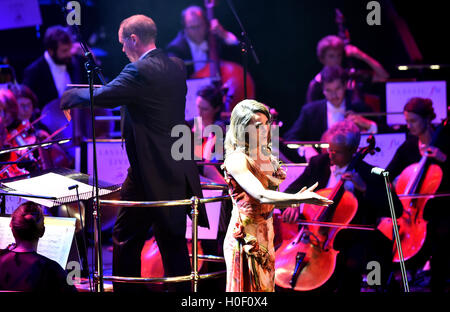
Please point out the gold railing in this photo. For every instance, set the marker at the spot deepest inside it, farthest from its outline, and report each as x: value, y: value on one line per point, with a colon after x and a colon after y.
x: 194, y: 277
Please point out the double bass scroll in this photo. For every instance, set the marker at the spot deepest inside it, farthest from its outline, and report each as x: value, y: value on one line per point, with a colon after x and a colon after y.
x: 228, y: 75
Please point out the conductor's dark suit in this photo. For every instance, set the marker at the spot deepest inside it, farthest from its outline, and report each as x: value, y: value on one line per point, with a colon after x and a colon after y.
x: 152, y: 91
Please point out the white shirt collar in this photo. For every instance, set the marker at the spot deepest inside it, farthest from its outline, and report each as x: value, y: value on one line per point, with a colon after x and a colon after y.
x: 336, y: 170
x: 52, y: 64
x: 331, y: 108
x: 61, y: 77
x: 145, y: 54
x: 203, y: 46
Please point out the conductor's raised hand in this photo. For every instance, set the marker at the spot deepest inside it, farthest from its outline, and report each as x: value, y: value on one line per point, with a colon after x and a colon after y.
x: 70, y: 99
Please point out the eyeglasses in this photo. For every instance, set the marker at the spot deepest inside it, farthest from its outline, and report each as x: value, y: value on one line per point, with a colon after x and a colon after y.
x: 195, y: 27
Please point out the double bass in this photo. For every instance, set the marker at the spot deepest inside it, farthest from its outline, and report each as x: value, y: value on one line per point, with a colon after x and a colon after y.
x: 423, y: 177
x: 308, y: 260
x: 228, y: 75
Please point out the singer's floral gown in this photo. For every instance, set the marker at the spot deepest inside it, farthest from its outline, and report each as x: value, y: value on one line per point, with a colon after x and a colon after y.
x: 248, y: 246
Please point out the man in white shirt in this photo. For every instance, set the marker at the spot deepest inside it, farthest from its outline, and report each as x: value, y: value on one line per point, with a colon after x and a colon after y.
x: 50, y: 74
x: 316, y: 117
x: 48, y: 77
x: 191, y: 44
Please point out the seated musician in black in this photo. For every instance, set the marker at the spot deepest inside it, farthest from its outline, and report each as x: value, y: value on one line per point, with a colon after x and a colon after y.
x: 357, y: 247
x: 191, y: 43
x: 316, y: 117
x: 331, y: 51
x: 419, y: 114
x: 21, y: 267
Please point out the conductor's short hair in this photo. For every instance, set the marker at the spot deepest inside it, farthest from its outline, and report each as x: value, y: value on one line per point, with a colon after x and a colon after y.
x: 140, y: 25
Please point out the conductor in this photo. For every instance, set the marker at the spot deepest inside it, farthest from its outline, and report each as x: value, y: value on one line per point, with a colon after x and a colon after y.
x: 151, y: 90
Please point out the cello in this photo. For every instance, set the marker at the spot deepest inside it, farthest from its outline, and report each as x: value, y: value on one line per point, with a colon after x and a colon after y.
x: 423, y: 177
x: 228, y: 75
x: 308, y: 260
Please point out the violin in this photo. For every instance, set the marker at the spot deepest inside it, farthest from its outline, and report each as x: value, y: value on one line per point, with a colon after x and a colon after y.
x: 423, y: 177
x: 308, y: 260
x: 10, y: 170
x: 228, y: 75
x: 44, y: 158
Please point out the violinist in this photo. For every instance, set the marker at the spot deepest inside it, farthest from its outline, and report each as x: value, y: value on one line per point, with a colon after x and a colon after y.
x: 357, y: 247
x: 330, y: 52
x: 191, y: 44
x: 419, y: 114
x: 209, y: 105
x: 8, y: 121
x: 26, y: 104
x: 211, y: 128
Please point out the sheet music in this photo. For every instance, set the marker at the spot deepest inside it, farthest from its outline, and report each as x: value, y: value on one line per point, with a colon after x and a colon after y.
x: 56, y: 242
x: 52, y: 185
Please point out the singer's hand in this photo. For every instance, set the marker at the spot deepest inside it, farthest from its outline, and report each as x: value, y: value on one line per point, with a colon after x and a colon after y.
x: 67, y: 114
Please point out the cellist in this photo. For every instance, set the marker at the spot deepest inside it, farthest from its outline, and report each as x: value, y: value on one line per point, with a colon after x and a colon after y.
x: 356, y: 248
x: 419, y: 114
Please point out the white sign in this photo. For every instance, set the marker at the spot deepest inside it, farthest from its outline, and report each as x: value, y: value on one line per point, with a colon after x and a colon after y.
x: 399, y: 93
x: 112, y: 161
x: 19, y: 13
x: 388, y: 144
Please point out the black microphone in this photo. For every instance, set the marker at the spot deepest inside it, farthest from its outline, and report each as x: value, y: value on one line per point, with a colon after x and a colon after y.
x: 73, y: 187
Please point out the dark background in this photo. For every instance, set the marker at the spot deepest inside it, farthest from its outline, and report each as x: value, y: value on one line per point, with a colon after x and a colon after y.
x: 284, y: 33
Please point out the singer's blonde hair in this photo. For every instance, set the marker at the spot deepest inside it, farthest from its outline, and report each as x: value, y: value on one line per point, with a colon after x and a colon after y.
x: 241, y: 116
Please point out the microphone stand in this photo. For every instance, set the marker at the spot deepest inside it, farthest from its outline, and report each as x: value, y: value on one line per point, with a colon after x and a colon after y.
x: 385, y: 174
x: 245, y: 46
x: 85, y: 263
x: 91, y: 69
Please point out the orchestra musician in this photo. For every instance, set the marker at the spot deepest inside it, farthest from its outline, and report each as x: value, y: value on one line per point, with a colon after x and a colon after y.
x: 49, y: 76
x: 8, y: 122
x: 356, y: 247
x: 316, y: 117
x: 31, y: 131
x: 330, y: 52
x: 419, y: 114
x: 21, y: 267
x: 191, y: 43
x: 209, y: 104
